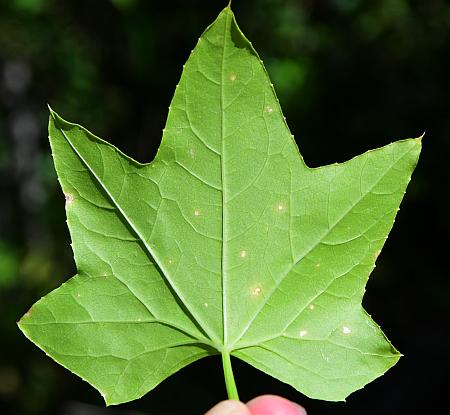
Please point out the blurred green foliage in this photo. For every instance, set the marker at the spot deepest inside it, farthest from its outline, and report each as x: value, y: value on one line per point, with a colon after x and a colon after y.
x: 350, y: 75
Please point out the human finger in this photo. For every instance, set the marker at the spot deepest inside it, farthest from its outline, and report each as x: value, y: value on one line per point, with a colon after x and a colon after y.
x: 229, y: 408
x: 274, y: 405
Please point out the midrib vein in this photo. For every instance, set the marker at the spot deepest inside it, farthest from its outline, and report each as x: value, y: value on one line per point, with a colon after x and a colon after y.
x: 224, y: 201
x: 147, y: 247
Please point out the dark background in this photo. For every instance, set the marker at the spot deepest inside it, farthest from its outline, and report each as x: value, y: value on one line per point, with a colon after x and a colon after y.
x: 350, y: 74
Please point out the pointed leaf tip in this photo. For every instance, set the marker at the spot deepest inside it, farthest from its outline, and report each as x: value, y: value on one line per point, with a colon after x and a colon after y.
x: 50, y: 109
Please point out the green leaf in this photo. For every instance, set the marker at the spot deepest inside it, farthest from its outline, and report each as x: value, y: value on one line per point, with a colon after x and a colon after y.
x: 226, y: 243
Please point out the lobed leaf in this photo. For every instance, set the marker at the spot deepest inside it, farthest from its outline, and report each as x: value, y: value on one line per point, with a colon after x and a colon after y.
x: 226, y: 243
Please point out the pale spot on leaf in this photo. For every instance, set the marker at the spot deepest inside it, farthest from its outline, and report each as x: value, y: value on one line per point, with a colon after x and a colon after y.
x: 346, y: 330
x: 268, y: 109
x: 281, y: 208
x: 302, y: 333
x: 197, y: 213
x: 256, y: 291
x: 243, y: 254
x: 69, y: 198
x: 311, y: 306
x: 206, y: 305
x: 233, y: 77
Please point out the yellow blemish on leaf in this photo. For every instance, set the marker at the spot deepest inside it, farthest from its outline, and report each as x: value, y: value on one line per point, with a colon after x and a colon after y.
x: 256, y: 291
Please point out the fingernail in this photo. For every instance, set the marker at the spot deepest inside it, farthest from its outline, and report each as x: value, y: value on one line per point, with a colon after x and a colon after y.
x: 227, y: 408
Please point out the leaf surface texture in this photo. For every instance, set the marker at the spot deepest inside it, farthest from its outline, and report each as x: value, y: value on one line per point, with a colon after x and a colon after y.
x: 226, y: 242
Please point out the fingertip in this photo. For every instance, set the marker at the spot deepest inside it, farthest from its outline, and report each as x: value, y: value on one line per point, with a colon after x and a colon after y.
x: 274, y: 405
x: 229, y: 408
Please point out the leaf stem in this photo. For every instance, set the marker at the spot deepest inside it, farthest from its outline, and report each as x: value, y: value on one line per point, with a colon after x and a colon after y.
x: 229, y: 377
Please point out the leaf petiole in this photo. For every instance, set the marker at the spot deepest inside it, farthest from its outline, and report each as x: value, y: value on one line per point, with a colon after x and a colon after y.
x: 229, y: 377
